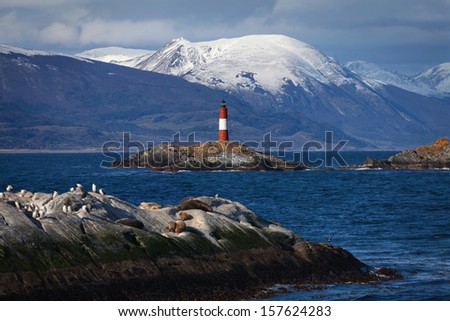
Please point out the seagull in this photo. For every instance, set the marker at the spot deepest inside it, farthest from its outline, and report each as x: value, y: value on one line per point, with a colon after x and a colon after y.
x: 41, y: 213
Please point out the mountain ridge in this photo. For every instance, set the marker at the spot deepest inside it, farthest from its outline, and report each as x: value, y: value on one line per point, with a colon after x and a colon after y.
x: 59, y: 102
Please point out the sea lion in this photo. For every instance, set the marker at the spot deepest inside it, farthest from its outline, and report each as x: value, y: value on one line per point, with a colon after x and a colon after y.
x: 132, y: 222
x: 150, y: 206
x: 177, y: 226
x: 193, y: 204
x: 171, y: 226
x: 180, y: 226
x: 182, y: 215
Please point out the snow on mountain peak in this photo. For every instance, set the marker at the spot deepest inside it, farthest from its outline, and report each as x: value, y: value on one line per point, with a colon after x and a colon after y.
x: 375, y: 76
x: 437, y: 77
x: 246, y: 63
x: 114, y: 54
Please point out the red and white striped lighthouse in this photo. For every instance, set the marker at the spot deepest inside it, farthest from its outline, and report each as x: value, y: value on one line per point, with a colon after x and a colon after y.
x: 223, y: 114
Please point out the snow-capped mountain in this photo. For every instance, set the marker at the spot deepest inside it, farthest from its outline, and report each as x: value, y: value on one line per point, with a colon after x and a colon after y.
x: 116, y: 55
x: 279, y: 73
x: 377, y: 76
x: 437, y: 77
x: 257, y: 62
x: 57, y: 101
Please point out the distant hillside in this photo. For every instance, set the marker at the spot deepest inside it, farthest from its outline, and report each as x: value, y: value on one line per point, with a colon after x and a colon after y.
x: 54, y: 101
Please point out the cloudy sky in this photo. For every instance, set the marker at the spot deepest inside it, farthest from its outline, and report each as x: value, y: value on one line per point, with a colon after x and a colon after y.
x: 404, y: 35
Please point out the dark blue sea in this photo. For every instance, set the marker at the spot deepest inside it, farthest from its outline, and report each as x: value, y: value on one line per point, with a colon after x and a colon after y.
x: 392, y: 218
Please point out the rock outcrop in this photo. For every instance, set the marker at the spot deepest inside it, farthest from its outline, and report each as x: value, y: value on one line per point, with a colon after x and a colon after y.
x: 210, y: 156
x: 118, y: 251
x: 437, y: 155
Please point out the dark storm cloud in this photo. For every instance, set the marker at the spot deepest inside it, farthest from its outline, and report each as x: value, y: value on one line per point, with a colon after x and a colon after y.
x: 391, y: 32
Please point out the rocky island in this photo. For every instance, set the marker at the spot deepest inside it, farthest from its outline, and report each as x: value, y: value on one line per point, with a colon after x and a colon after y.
x: 82, y: 245
x: 210, y: 156
x: 435, y: 156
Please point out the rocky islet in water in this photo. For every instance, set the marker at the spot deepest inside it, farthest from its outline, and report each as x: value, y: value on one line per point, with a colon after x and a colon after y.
x: 435, y: 156
x: 209, y: 156
x: 82, y: 245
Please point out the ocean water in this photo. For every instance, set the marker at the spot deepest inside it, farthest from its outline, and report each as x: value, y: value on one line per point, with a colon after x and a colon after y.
x: 391, y: 218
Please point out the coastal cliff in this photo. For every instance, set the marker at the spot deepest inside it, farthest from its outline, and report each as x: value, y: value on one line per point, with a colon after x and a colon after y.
x: 437, y: 155
x: 83, y: 245
x: 210, y: 156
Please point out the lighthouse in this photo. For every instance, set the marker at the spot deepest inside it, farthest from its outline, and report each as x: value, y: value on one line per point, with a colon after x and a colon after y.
x: 223, y: 129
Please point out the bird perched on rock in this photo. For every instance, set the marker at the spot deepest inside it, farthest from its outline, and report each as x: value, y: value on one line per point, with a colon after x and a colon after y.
x: 55, y: 194
x: 42, y: 212
x: 94, y: 188
x: 72, y: 189
x: 9, y: 188
x: 83, y: 212
x: 22, y: 192
x: 64, y: 209
x: 102, y: 192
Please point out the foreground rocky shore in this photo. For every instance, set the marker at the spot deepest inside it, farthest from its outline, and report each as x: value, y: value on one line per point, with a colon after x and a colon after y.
x: 435, y: 156
x: 220, y: 155
x: 83, y: 245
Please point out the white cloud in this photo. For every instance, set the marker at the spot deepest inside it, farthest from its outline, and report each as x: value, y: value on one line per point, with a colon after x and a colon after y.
x: 14, y: 31
x: 126, y: 32
x: 59, y: 33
